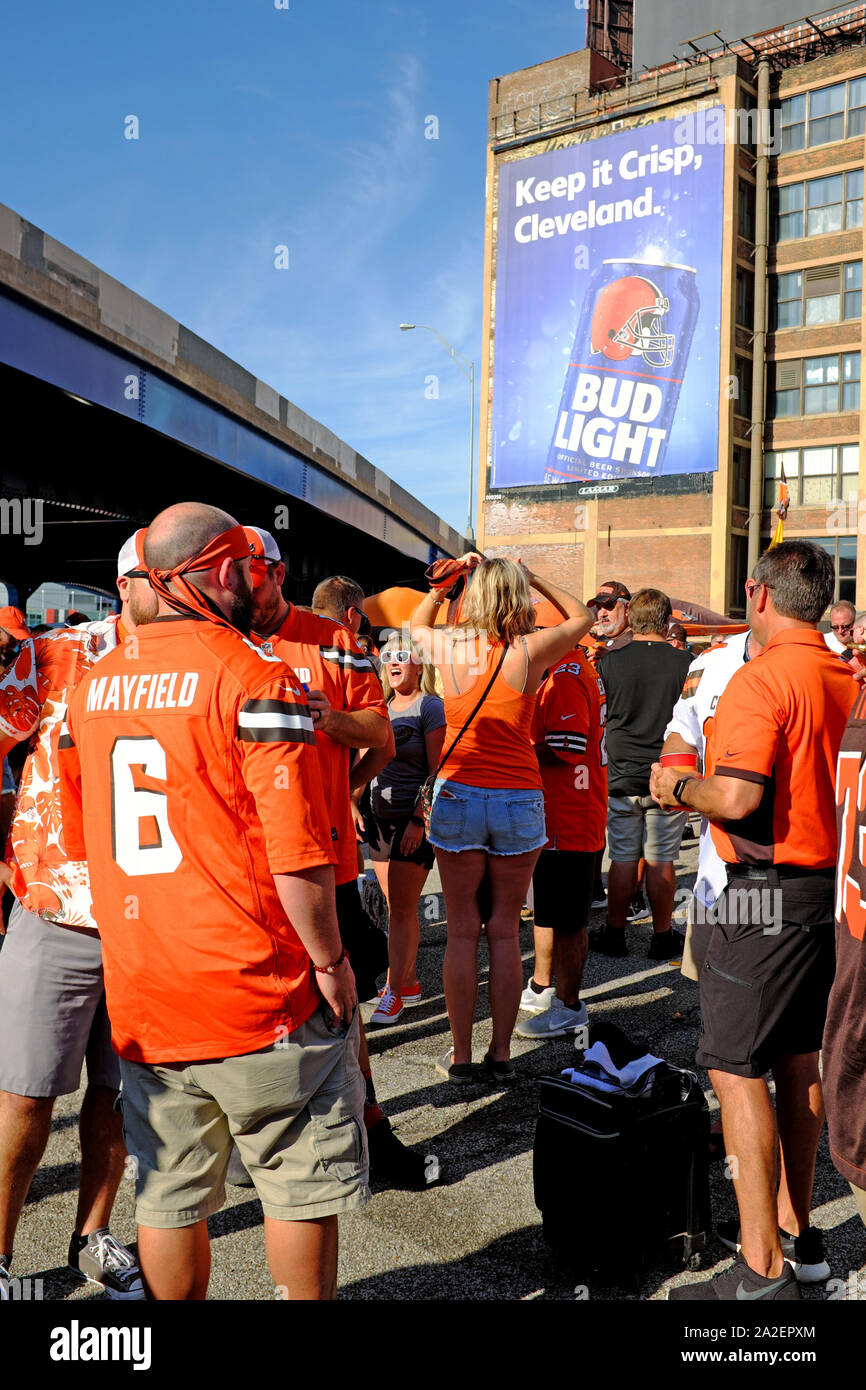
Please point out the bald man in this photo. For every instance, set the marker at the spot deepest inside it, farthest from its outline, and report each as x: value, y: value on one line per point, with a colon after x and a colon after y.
x: 232, y: 1001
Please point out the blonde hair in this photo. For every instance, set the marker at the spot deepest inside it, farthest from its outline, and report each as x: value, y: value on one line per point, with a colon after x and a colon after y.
x: 430, y: 681
x: 498, y: 601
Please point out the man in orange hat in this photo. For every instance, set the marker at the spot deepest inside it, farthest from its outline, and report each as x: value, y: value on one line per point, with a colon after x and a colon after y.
x: 13, y: 630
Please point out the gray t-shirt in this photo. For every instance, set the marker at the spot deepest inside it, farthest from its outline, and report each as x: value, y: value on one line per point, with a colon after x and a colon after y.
x: 394, y: 791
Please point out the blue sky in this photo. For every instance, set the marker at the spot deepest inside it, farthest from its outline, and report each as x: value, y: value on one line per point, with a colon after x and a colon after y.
x: 303, y: 127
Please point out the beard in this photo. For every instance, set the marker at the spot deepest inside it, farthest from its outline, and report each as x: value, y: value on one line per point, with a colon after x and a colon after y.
x: 142, y: 602
x: 241, y: 614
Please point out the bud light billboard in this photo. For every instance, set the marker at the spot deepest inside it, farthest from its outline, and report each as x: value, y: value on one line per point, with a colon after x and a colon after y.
x: 608, y: 301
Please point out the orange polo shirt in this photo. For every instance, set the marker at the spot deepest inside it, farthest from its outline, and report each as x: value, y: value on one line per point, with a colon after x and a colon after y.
x: 779, y: 723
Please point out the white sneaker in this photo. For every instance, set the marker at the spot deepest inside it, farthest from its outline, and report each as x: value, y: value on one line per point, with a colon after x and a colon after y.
x: 557, y: 1022
x: 4, y: 1283
x: 534, y: 1003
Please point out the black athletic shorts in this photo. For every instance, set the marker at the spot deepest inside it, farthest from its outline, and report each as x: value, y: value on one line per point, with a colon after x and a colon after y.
x: 562, y: 884
x: 383, y: 839
x: 768, y: 972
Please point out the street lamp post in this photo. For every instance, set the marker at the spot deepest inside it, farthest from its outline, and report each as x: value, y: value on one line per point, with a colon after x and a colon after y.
x: 468, y: 370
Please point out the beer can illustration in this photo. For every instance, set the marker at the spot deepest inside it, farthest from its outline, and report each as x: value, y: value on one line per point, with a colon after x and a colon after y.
x: 623, y: 381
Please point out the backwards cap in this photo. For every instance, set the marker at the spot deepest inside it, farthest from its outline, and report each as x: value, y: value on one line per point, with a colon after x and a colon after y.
x: 130, y: 562
x: 262, y: 545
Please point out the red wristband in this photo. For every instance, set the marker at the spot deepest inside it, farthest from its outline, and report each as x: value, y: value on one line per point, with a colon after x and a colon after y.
x: 679, y: 759
x: 335, y: 964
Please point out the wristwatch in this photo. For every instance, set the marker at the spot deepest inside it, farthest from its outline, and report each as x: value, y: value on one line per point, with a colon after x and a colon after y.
x: 333, y: 967
x: 678, y: 789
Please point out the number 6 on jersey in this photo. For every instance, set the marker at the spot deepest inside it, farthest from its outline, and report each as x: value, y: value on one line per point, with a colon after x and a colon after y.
x: 130, y: 805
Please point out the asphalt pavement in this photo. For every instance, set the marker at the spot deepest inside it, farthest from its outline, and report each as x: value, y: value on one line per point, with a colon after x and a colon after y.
x: 477, y: 1234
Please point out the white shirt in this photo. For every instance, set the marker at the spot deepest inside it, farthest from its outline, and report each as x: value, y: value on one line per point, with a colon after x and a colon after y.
x: 708, y: 675
x: 833, y: 643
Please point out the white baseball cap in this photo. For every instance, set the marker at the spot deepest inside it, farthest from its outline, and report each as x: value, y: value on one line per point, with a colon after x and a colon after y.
x: 130, y: 561
x: 262, y: 545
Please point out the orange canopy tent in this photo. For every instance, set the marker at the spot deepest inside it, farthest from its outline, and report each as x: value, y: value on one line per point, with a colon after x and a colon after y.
x: 394, y: 607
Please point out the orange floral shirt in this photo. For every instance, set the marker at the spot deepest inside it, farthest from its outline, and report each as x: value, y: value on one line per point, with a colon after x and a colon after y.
x: 38, y: 687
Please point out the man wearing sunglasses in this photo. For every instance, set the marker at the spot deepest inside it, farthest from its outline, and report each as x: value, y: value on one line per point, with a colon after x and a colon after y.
x: 771, y: 801
x: 613, y: 629
x: 840, y: 638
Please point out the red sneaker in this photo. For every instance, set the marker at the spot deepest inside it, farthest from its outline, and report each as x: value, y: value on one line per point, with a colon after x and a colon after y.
x: 411, y: 996
x: 389, y: 1007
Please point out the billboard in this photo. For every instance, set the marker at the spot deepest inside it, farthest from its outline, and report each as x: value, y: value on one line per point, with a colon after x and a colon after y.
x: 608, y: 299
x: 661, y: 27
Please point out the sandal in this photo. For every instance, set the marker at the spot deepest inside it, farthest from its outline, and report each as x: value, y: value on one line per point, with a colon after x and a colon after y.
x: 501, y: 1072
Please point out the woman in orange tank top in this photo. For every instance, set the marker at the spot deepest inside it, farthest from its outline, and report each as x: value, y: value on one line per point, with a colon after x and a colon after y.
x: 488, y: 809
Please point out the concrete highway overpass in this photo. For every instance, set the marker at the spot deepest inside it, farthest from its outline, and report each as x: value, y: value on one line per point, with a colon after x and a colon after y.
x: 112, y: 410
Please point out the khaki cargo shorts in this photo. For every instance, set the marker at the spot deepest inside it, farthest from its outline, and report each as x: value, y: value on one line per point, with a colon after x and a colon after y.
x: 294, y: 1110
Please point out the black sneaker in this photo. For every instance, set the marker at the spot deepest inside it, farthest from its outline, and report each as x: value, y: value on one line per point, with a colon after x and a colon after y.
x: 638, y: 909
x: 666, y: 945
x: 101, y: 1259
x: 5, y: 1281
x: 391, y: 1163
x: 610, y: 941
x: 805, y: 1252
x: 740, y: 1283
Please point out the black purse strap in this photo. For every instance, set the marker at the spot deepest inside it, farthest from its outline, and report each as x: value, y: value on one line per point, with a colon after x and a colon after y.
x: 487, y: 690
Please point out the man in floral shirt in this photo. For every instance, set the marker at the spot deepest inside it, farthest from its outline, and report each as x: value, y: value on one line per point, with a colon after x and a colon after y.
x: 52, y: 999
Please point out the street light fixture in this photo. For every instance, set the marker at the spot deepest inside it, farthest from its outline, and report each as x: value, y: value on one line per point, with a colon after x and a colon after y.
x: 468, y: 370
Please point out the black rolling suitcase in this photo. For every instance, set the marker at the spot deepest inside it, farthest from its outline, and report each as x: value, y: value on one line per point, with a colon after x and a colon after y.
x: 621, y: 1180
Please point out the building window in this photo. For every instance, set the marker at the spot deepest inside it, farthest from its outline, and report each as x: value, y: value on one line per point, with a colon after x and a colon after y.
x: 843, y: 552
x: 854, y: 198
x: 747, y: 210
x: 743, y: 401
x: 827, y: 114
x: 824, y: 205
x: 830, y: 204
x: 830, y: 113
x: 853, y: 289
x: 742, y: 473
x: 789, y: 212
x: 739, y: 573
x: 814, y: 476
x: 821, y: 294
x: 793, y: 123
x: 856, y: 106
x: 745, y: 297
x: 786, y: 300
x: 816, y: 385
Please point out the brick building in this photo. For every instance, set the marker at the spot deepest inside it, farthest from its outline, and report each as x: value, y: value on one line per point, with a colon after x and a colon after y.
x: 790, y: 325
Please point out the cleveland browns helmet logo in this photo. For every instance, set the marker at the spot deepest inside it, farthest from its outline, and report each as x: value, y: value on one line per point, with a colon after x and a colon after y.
x: 626, y: 322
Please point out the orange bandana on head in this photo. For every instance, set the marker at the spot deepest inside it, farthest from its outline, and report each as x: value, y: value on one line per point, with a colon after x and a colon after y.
x: 185, y: 598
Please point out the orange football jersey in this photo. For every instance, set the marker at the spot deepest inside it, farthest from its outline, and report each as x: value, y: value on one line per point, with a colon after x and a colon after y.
x: 569, y: 724
x: 189, y: 778
x: 326, y: 657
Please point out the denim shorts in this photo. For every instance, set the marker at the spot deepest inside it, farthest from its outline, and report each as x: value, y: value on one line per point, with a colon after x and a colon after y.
x: 500, y: 820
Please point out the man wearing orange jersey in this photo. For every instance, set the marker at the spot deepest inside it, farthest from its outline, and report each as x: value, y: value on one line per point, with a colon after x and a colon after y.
x: 348, y: 708
x: 771, y: 956
x: 568, y: 731
x: 52, y: 993
x: 232, y: 1001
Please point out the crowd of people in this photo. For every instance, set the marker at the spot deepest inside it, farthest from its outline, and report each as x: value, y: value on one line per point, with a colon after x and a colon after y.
x: 185, y: 839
